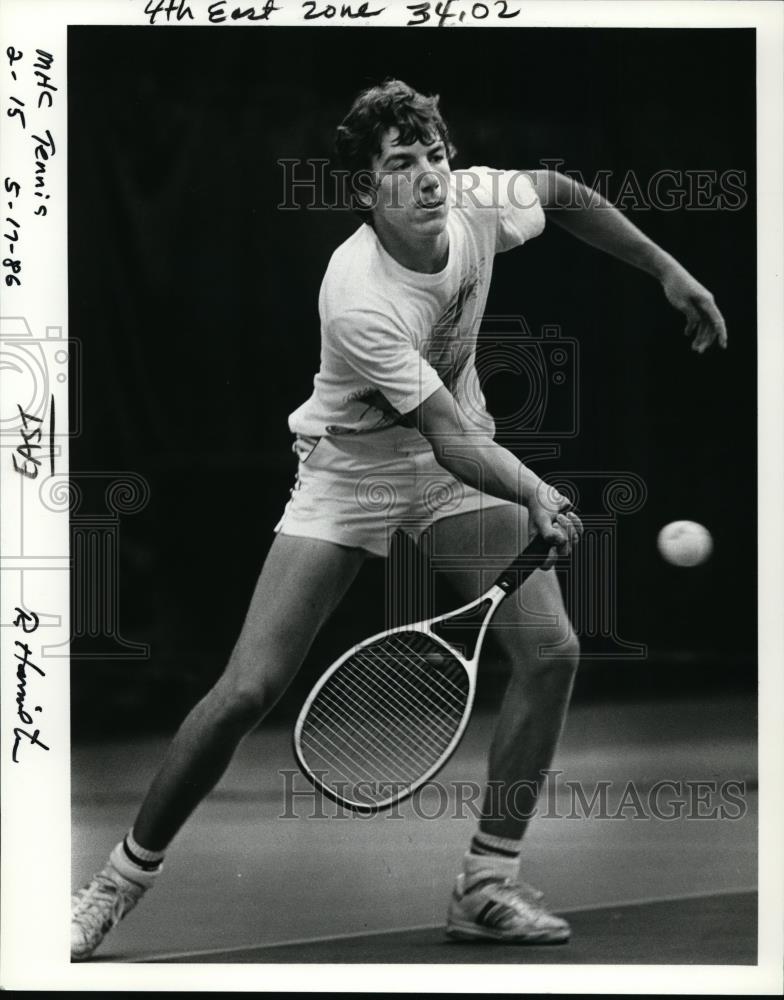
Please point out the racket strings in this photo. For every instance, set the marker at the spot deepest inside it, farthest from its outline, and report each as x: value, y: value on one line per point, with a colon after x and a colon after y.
x: 401, y: 734
x: 358, y: 756
x: 406, y: 682
x: 402, y: 689
x: 377, y: 749
x: 439, y: 688
x: 407, y: 740
x: 385, y: 717
x: 337, y: 744
x: 387, y: 733
x: 390, y: 726
x: 386, y: 745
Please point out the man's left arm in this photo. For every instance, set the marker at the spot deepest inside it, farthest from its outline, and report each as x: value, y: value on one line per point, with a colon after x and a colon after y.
x: 590, y: 217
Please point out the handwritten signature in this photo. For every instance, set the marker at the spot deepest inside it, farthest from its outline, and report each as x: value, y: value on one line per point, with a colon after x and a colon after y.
x: 28, y: 622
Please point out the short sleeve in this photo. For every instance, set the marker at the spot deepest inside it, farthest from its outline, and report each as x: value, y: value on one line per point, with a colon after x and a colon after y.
x: 519, y: 213
x: 384, y: 356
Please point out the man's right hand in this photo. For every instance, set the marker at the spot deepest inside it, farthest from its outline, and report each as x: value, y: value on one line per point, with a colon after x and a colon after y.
x: 551, y: 516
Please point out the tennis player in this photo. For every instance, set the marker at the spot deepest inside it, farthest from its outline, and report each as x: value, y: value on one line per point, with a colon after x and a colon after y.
x: 396, y: 434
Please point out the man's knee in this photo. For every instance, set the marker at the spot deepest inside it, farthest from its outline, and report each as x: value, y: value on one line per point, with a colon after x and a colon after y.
x: 241, y: 701
x: 253, y: 682
x: 568, y: 648
x: 543, y: 653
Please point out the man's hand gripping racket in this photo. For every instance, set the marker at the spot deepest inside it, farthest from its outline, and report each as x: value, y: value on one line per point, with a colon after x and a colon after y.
x: 389, y: 713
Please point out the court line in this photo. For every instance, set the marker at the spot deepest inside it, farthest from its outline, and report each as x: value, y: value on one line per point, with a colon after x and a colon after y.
x: 283, y: 944
x: 322, y: 939
x: 678, y: 898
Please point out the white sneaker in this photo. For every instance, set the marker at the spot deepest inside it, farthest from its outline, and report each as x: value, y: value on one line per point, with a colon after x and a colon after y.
x: 499, y: 909
x: 101, y: 905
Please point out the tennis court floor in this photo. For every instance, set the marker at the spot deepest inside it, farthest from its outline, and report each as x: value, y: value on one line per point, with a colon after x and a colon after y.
x: 260, y: 875
x: 719, y: 929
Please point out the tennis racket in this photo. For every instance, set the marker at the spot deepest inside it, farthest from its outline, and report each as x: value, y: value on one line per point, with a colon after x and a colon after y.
x: 389, y: 713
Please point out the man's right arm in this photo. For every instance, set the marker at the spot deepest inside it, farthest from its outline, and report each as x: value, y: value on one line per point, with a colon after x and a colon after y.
x: 482, y: 463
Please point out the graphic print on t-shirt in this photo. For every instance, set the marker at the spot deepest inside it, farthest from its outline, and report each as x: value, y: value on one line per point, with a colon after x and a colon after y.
x: 390, y: 337
x: 444, y: 349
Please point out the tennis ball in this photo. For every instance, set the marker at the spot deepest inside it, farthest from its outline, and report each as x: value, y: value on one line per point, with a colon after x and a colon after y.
x: 685, y: 543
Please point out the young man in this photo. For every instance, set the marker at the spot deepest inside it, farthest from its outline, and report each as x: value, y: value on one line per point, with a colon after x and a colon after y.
x: 397, y: 413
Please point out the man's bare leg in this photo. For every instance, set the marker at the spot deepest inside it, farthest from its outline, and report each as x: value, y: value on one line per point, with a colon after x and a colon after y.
x: 529, y: 724
x: 537, y: 696
x: 301, y: 583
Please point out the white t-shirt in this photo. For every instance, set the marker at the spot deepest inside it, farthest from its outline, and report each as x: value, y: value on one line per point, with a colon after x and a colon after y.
x: 390, y: 337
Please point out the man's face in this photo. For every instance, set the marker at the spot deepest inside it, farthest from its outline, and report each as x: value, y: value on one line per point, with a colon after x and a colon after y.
x: 413, y: 187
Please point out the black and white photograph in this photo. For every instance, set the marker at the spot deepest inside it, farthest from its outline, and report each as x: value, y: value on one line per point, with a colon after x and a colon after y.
x: 391, y: 439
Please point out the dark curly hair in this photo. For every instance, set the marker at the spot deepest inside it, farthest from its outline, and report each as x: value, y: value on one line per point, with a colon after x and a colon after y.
x: 392, y: 104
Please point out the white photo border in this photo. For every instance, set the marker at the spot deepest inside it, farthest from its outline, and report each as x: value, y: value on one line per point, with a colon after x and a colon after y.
x: 36, y: 798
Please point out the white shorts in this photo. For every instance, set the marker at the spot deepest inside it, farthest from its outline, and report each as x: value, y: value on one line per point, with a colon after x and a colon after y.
x: 359, y: 490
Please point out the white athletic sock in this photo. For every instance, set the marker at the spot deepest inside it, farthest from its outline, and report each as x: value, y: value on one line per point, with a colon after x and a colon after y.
x: 498, y: 856
x: 145, y: 858
x: 486, y: 843
x: 131, y: 870
x: 477, y: 866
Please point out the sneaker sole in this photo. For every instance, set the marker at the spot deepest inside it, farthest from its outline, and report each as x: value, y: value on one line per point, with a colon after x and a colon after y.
x: 471, y: 932
x: 81, y: 956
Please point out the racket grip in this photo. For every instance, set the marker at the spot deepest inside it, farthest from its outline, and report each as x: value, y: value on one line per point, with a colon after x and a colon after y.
x: 517, y: 572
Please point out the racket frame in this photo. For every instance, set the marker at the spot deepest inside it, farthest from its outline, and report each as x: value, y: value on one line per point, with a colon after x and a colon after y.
x: 513, y: 577
x: 495, y: 595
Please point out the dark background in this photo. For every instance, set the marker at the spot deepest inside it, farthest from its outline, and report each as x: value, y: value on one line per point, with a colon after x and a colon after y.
x: 195, y: 302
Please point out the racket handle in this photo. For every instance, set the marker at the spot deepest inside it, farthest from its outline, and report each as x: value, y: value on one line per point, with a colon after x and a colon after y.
x: 531, y: 558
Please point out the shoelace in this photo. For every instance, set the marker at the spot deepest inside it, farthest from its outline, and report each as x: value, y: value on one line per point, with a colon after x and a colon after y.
x: 89, y: 903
